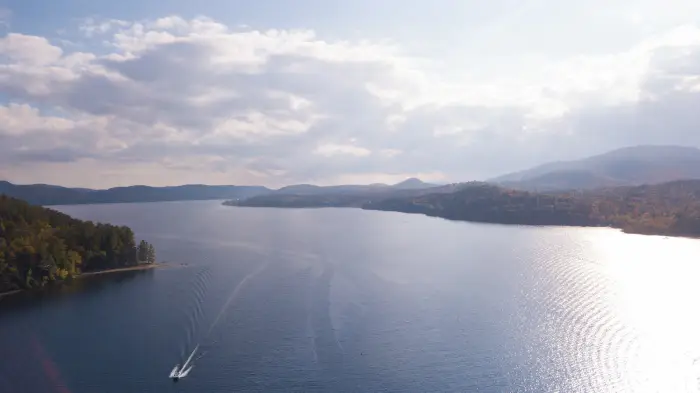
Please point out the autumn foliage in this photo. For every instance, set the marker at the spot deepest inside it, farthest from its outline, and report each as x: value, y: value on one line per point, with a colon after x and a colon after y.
x: 40, y: 245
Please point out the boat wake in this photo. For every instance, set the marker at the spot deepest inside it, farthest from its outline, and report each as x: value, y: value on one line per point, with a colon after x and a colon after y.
x: 234, y: 294
x: 181, y: 372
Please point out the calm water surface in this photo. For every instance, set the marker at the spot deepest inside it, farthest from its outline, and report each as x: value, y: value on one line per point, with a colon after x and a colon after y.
x: 343, y: 300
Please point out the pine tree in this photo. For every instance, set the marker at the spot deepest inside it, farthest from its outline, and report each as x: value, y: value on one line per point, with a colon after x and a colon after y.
x: 142, y: 252
x: 151, y: 254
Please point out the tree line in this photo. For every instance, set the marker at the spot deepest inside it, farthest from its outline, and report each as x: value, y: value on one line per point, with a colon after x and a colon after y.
x: 40, y: 245
x: 671, y: 208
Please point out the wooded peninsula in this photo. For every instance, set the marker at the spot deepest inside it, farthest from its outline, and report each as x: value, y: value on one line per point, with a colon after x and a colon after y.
x: 671, y: 208
x: 39, y: 246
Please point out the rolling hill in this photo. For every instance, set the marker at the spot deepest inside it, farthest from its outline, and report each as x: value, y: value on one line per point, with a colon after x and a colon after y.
x: 342, y: 196
x: 42, y: 194
x: 310, y: 189
x: 623, y: 167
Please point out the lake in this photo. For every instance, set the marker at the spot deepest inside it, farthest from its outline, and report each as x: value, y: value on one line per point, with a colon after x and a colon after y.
x: 345, y: 300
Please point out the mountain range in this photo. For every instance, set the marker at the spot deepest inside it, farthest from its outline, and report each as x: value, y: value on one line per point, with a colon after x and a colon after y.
x: 630, y: 166
x: 310, y: 189
x: 342, y: 196
x: 44, y: 194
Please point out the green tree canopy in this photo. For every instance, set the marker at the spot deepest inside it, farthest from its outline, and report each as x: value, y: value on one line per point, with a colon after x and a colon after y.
x: 40, y: 245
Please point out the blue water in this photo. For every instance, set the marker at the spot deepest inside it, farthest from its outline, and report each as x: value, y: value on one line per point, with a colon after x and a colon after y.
x: 344, y: 300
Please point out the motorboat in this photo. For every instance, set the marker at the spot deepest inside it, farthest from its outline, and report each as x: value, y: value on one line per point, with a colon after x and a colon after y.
x: 181, y: 372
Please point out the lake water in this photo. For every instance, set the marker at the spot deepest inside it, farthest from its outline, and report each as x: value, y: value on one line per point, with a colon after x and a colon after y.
x: 344, y: 300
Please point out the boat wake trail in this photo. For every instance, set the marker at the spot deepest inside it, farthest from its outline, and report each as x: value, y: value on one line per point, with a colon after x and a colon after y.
x: 181, y: 372
x: 234, y: 294
x: 195, y: 313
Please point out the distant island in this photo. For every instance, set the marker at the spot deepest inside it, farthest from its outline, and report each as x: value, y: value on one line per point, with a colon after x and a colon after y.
x: 39, y: 246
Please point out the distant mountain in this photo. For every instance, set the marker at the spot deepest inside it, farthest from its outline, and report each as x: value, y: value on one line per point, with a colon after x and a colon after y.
x: 623, y: 167
x: 299, y: 189
x: 42, y: 194
x: 310, y: 189
x: 342, y: 196
x: 412, y: 184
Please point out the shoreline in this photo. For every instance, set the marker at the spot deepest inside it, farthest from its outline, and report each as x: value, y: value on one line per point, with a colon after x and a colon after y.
x: 145, y: 266
x: 622, y: 229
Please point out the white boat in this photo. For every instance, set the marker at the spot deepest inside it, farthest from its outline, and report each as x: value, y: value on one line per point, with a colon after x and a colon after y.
x: 181, y: 372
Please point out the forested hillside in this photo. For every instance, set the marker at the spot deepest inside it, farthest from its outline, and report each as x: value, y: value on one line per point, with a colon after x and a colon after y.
x: 40, y: 245
x: 343, y: 196
x: 671, y: 208
x: 482, y: 202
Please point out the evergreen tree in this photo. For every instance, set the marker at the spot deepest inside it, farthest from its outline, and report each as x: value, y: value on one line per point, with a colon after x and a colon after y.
x: 142, y: 252
x: 151, y: 254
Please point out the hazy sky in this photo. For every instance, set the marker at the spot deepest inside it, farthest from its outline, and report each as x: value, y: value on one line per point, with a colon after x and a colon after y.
x: 101, y: 93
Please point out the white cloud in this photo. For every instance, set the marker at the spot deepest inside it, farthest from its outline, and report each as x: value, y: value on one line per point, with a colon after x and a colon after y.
x: 16, y: 119
x: 29, y: 50
x: 172, y: 22
x: 183, y: 96
x: 91, y: 27
x: 332, y: 149
x: 256, y: 123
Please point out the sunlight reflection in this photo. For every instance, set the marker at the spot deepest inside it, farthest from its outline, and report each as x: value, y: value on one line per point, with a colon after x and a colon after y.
x: 654, y: 292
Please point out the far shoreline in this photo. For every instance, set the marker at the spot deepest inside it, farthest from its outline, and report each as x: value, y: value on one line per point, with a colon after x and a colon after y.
x: 628, y: 231
x: 144, y: 266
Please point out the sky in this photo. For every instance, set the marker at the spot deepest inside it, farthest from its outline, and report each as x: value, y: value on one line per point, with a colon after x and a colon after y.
x: 97, y: 93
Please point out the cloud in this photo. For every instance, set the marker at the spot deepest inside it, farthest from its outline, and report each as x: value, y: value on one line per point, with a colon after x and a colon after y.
x: 332, y: 149
x: 22, y: 119
x: 29, y: 50
x: 174, y: 98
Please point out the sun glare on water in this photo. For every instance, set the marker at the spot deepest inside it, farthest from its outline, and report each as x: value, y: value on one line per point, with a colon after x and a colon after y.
x: 653, y: 291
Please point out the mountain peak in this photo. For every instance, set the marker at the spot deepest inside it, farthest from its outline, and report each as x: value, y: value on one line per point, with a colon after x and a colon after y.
x: 412, y: 183
x: 410, y: 180
x: 633, y: 165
